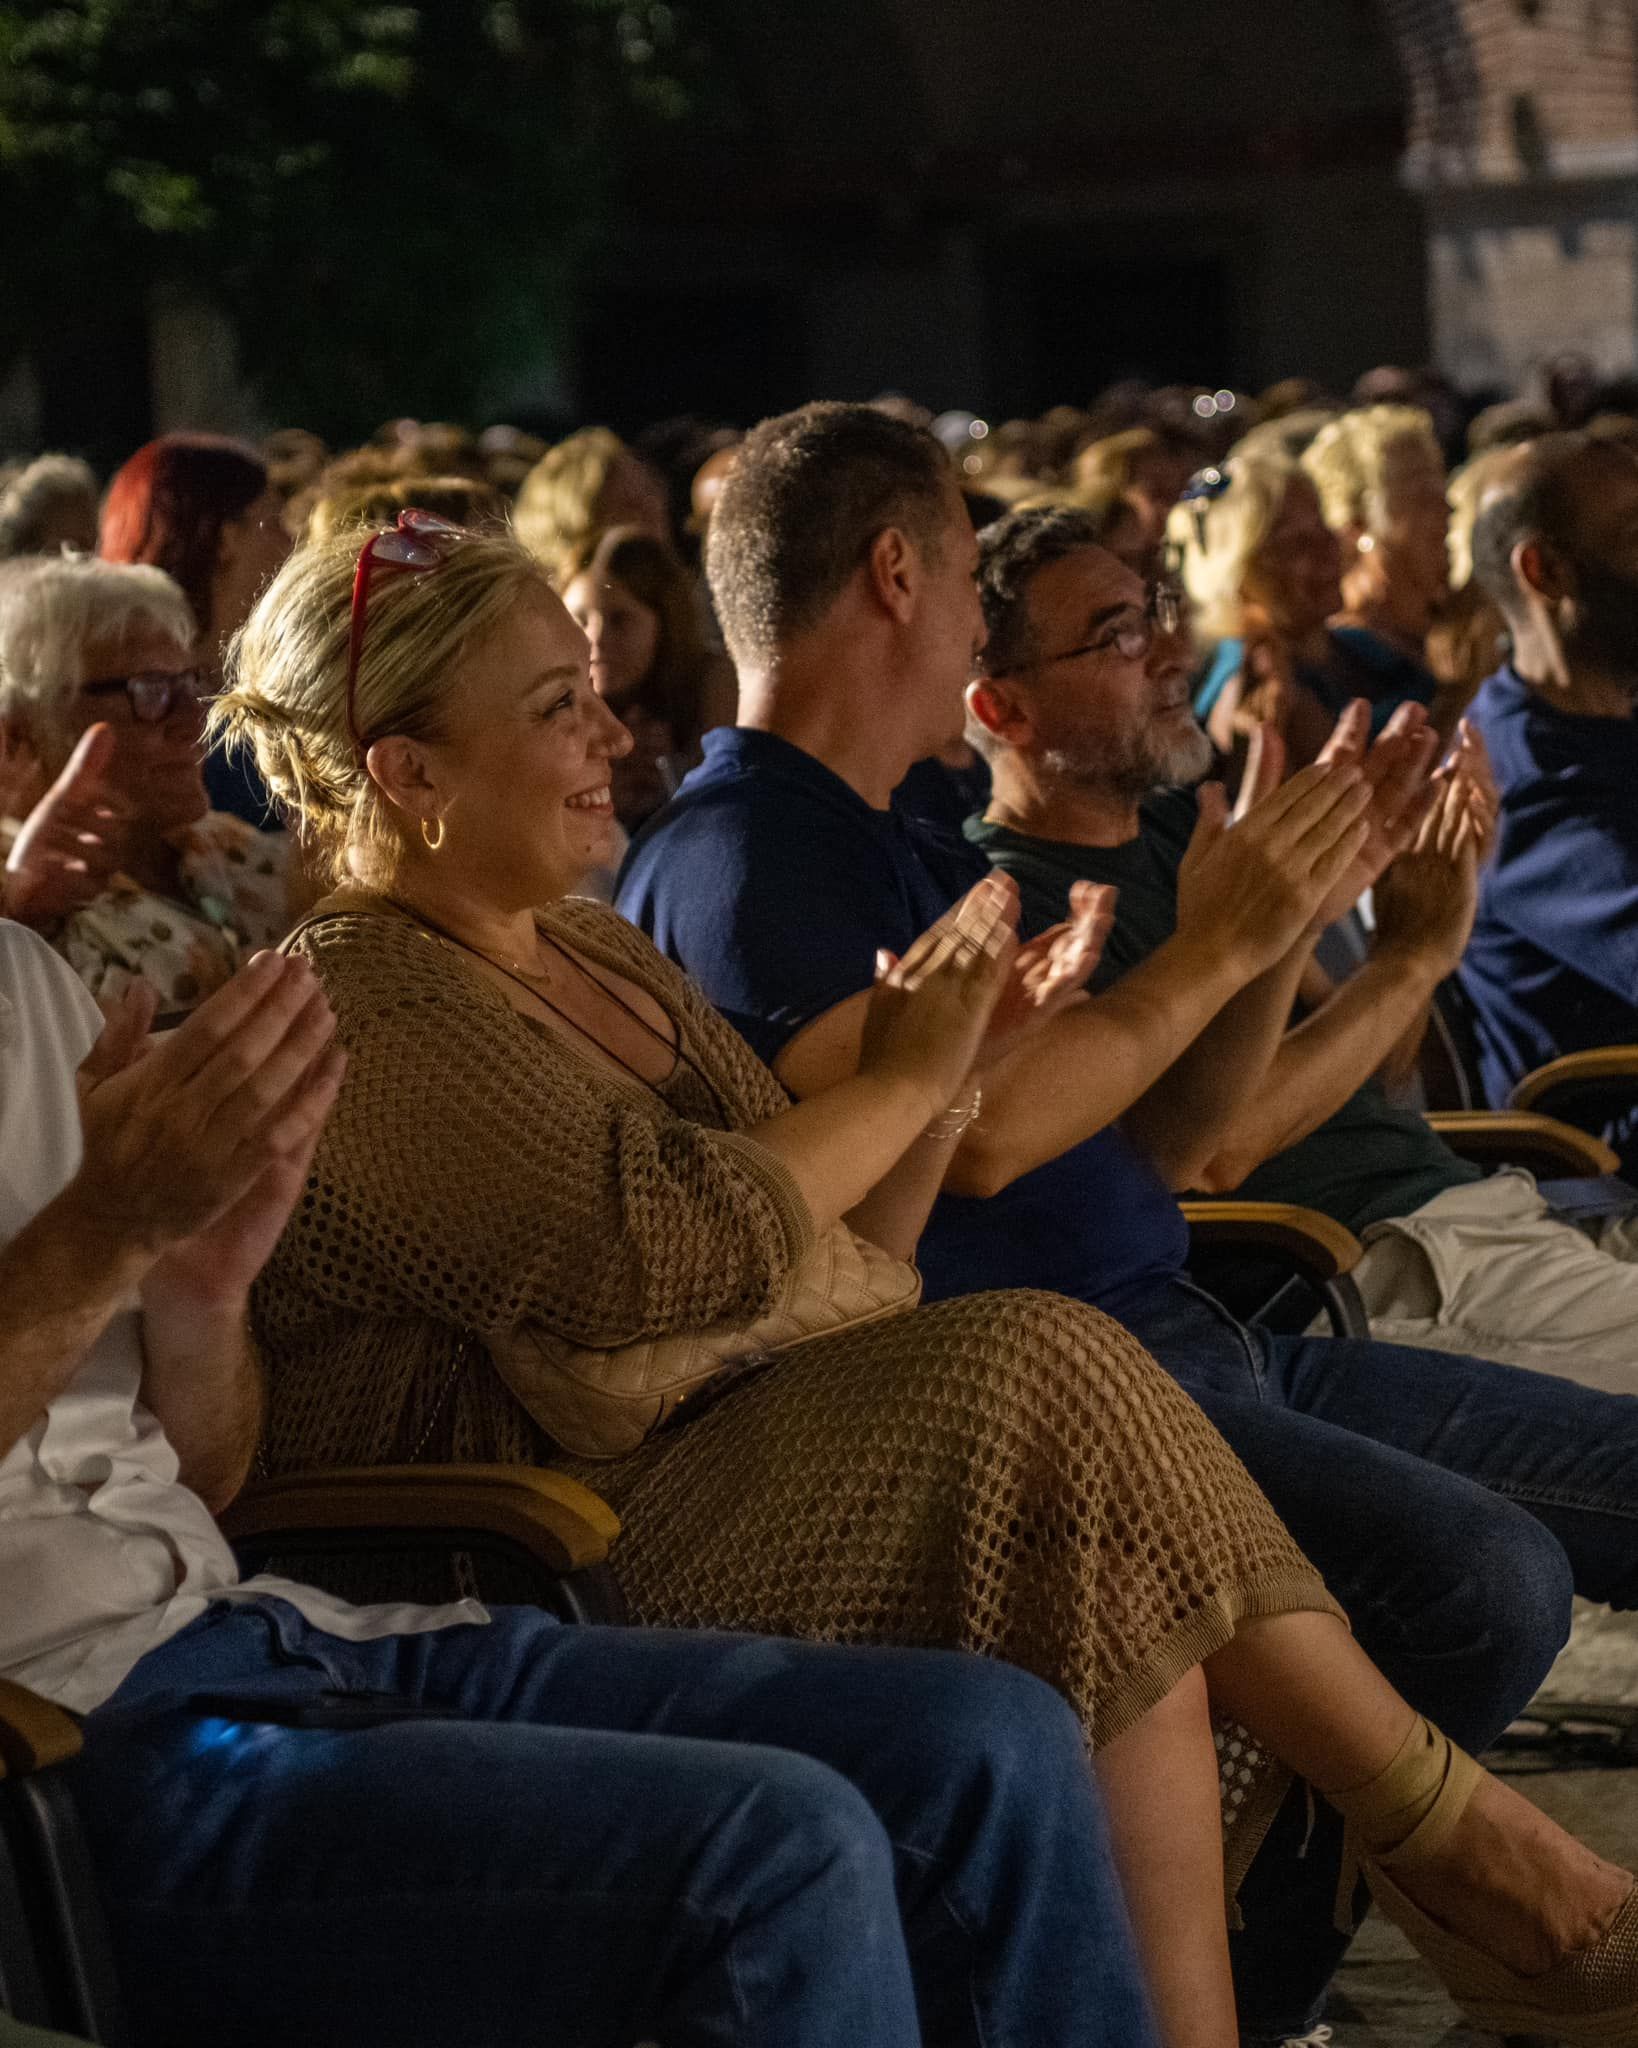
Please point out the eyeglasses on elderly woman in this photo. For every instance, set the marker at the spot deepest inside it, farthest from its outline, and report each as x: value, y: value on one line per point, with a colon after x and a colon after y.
x: 152, y: 693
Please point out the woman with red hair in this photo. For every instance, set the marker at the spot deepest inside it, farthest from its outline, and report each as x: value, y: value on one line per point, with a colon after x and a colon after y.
x: 201, y: 507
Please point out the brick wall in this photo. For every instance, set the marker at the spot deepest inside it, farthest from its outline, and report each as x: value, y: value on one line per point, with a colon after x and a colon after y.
x: 1523, y: 142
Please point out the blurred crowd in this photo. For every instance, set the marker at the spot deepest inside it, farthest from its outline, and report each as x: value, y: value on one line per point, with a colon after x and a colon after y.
x: 1180, y: 795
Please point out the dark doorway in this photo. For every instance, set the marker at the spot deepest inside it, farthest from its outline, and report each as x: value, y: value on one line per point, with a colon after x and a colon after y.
x: 651, y: 353
x: 1167, y: 322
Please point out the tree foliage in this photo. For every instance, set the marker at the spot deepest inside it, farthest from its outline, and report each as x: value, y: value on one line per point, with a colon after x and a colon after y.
x: 389, y: 200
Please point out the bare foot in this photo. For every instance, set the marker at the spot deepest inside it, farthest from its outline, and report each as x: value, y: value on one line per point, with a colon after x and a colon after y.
x: 1516, y: 1885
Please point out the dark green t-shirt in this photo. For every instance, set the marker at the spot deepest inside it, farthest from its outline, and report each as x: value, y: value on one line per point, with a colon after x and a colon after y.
x: 1369, y: 1160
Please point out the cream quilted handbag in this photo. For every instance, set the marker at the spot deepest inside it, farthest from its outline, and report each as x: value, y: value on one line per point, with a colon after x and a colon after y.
x: 601, y: 1404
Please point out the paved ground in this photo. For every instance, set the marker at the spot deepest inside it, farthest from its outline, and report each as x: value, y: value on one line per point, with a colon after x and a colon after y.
x: 1386, y: 1997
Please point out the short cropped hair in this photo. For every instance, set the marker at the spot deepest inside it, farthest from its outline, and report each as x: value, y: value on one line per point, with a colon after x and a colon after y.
x: 1011, y: 554
x: 1533, y: 498
x: 52, y: 609
x: 807, y: 496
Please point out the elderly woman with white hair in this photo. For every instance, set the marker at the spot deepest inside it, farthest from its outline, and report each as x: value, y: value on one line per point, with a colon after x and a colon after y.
x: 122, y: 864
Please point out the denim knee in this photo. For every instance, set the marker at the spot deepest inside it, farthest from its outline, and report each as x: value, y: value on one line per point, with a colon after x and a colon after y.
x: 807, y: 1824
x: 986, y: 1717
x: 1517, y: 1593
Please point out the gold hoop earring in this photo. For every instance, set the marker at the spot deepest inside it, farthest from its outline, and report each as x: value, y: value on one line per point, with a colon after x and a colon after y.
x: 432, y: 844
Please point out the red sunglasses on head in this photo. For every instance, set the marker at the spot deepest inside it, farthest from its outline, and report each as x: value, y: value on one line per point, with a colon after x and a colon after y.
x: 419, y: 541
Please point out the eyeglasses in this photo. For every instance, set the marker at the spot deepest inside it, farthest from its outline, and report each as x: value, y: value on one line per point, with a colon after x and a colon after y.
x: 1130, y: 633
x: 153, y: 692
x: 419, y: 541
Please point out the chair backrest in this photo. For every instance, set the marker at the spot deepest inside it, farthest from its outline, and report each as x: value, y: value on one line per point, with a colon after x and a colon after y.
x: 56, y: 1961
x: 1448, y: 1064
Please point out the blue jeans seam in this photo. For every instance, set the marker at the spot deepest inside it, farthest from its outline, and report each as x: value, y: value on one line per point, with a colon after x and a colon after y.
x: 1526, y: 1495
x: 964, y: 1925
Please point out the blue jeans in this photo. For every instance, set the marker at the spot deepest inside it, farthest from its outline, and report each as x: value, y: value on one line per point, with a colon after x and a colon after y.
x: 1452, y: 1505
x: 629, y: 1835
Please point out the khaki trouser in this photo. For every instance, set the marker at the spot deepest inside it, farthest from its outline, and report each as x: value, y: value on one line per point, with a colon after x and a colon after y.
x: 1488, y: 1269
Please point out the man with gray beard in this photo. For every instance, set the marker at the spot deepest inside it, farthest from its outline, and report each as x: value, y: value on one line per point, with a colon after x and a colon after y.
x: 1079, y: 711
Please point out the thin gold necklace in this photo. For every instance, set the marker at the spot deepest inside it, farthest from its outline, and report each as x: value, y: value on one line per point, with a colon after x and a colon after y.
x: 515, y: 972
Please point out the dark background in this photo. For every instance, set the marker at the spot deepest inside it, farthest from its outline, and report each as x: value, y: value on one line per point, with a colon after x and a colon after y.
x: 553, y: 212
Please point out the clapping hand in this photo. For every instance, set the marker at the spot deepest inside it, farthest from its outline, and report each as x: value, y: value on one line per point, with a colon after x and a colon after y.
x: 1426, y: 902
x: 929, y: 1011
x: 70, y: 841
x: 1468, y: 764
x: 1051, y: 971
x: 196, y: 1146
x: 1398, y: 768
x: 1249, y: 889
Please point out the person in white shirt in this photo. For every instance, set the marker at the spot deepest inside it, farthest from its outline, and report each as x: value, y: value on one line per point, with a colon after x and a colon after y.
x: 604, y: 1835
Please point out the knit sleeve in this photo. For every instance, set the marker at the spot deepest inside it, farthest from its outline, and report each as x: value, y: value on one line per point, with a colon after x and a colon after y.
x: 479, y: 1170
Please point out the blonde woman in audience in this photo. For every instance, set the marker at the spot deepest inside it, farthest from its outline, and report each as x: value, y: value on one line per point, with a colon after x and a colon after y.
x: 1381, y: 480
x: 578, y: 489
x: 1464, y: 641
x: 549, y: 1146
x: 1262, y: 569
x: 101, y: 687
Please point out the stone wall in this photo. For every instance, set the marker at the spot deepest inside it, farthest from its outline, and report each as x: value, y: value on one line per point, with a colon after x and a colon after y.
x: 1523, y: 146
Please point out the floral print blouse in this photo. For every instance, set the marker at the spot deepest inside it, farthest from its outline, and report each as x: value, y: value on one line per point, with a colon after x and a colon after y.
x: 235, y: 900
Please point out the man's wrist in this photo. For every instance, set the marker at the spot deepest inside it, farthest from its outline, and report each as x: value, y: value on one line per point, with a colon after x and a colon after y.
x: 1414, y: 957
x: 1211, y: 962
x: 111, y: 1248
x: 198, y: 1302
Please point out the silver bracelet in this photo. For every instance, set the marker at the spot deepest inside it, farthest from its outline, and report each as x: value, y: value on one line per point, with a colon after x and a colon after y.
x: 954, y: 1121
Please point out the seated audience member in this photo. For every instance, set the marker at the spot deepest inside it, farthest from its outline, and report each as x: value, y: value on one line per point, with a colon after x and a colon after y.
x: 1553, y: 963
x: 842, y: 565
x: 595, y: 1161
x: 1091, y: 766
x: 1286, y: 436
x: 204, y: 510
x: 1466, y: 638
x: 579, y: 489
x: 508, y: 455
x: 463, y: 500
x: 126, y: 868
x: 1264, y: 572
x: 1381, y: 481
x: 705, y: 488
x: 1507, y: 424
x: 1139, y: 474
x: 650, y: 662
x: 48, y: 505
x: 610, y: 1832
x: 295, y: 458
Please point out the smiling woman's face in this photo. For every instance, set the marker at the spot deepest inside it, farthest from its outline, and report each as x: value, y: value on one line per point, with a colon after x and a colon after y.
x: 522, y: 769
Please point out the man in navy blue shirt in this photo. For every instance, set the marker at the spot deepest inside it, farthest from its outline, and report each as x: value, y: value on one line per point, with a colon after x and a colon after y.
x: 842, y: 566
x: 1553, y: 963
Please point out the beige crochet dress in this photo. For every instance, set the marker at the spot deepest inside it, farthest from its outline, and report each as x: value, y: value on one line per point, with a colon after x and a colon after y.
x: 1006, y: 1473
